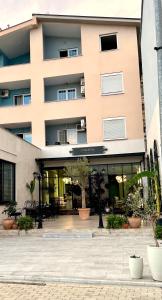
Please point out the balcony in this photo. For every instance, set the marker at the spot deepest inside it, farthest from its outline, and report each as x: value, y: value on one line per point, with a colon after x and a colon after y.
x: 61, y: 40
x: 64, y: 88
x: 22, y: 130
x: 66, y: 132
x: 15, y: 48
x: 15, y: 93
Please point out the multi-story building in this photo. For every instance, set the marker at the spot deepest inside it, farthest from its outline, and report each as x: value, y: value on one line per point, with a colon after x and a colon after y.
x: 70, y: 85
x: 151, y: 48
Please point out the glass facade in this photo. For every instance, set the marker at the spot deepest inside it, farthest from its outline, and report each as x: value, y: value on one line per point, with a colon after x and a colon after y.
x: 59, y: 189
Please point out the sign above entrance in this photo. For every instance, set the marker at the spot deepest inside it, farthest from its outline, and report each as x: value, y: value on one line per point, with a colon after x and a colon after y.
x: 88, y: 150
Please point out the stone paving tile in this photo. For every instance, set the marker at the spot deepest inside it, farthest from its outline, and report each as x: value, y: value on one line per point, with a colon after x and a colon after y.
x: 60, y: 291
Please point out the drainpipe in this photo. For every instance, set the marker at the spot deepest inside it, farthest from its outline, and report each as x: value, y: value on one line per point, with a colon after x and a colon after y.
x: 158, y: 48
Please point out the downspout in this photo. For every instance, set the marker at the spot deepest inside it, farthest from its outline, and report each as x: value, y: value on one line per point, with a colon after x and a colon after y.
x: 158, y: 48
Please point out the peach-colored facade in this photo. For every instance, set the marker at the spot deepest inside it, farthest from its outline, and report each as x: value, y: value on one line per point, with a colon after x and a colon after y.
x: 93, y: 63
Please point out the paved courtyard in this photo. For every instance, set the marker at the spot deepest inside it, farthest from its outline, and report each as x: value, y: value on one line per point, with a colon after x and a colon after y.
x: 77, y: 291
x: 90, y: 256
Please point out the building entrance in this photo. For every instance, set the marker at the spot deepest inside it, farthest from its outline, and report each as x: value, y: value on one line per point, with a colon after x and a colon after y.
x: 106, y: 191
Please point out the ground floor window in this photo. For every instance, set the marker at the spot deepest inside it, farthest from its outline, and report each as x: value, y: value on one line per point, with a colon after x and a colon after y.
x: 7, y: 182
x: 58, y: 189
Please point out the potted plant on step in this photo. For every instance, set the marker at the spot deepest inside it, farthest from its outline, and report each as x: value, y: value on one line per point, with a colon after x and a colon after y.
x: 136, y: 267
x: 134, y: 207
x: 10, y: 210
x: 79, y: 172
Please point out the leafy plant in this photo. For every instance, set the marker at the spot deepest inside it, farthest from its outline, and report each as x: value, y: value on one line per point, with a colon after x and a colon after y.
x: 115, y: 221
x: 134, y: 256
x: 134, y: 204
x: 10, y: 208
x: 79, y: 172
x: 151, y: 206
x: 158, y: 232
x: 31, y: 187
x: 25, y: 223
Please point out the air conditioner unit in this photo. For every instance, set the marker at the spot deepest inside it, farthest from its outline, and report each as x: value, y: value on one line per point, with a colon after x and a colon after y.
x: 4, y: 93
x: 82, y: 125
x: 82, y: 81
x: 82, y: 89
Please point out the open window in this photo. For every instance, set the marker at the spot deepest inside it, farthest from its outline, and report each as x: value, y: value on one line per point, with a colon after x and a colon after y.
x: 22, y: 99
x: 67, y: 136
x: 108, y: 42
x: 68, y: 52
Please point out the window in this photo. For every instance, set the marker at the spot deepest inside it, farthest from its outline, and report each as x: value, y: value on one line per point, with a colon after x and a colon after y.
x: 108, y: 42
x: 66, y: 94
x: 112, y: 83
x: 114, y: 128
x: 25, y: 136
x: 7, y: 182
x: 22, y: 99
x: 67, y: 136
x: 68, y: 52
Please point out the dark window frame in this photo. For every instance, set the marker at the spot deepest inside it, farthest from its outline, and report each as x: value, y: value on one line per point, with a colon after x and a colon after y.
x: 2, y: 181
x: 109, y: 36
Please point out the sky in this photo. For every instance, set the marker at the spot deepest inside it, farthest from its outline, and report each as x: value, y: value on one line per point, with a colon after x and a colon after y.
x: 16, y: 11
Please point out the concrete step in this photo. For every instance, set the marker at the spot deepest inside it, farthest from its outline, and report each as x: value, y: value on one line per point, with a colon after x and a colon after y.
x: 68, y: 235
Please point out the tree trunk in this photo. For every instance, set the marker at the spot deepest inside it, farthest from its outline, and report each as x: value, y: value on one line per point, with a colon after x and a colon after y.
x: 83, y: 198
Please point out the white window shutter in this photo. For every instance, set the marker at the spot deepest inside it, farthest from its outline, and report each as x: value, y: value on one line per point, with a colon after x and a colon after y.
x: 114, y: 129
x: 112, y: 83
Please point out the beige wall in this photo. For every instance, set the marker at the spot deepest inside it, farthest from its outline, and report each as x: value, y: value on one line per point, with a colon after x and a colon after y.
x: 92, y: 63
x: 23, y: 154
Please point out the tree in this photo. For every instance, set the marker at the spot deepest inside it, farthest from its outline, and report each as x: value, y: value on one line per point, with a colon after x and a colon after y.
x: 78, y: 172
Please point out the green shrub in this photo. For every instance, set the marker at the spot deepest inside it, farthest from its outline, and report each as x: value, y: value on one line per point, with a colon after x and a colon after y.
x: 158, y: 232
x: 25, y: 223
x: 115, y: 221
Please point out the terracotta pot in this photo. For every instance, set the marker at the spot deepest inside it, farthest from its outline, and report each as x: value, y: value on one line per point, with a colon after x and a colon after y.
x: 14, y: 226
x: 125, y: 226
x: 8, y: 223
x: 84, y: 213
x: 134, y: 222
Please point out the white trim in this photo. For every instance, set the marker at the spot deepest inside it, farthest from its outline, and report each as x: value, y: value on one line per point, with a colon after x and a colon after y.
x: 112, y: 74
x: 16, y: 95
x: 66, y: 91
x: 108, y: 34
x: 115, y: 118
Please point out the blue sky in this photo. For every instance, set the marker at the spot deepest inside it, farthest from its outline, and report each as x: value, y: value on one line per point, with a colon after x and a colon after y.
x: 16, y: 11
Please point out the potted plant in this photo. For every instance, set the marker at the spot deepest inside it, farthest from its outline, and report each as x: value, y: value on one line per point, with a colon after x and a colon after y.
x: 151, y: 212
x: 31, y: 187
x: 79, y: 172
x: 136, y: 266
x: 10, y: 210
x: 134, y: 207
x: 25, y: 223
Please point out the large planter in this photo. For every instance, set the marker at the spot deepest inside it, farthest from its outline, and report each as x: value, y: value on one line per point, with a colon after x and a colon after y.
x: 8, y: 223
x: 155, y: 261
x: 136, y: 267
x: 84, y: 213
x: 134, y: 222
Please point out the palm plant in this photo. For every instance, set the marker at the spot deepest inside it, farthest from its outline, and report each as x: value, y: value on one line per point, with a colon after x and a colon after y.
x: 31, y: 187
x: 79, y: 172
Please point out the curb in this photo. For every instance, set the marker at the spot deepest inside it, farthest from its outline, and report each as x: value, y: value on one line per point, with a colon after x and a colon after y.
x: 44, y: 280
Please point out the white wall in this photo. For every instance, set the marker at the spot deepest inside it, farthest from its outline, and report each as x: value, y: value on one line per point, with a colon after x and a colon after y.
x: 150, y: 76
x: 23, y: 154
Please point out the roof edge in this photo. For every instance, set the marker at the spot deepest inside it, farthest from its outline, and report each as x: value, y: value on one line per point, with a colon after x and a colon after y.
x: 86, y: 19
x: 23, y: 25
